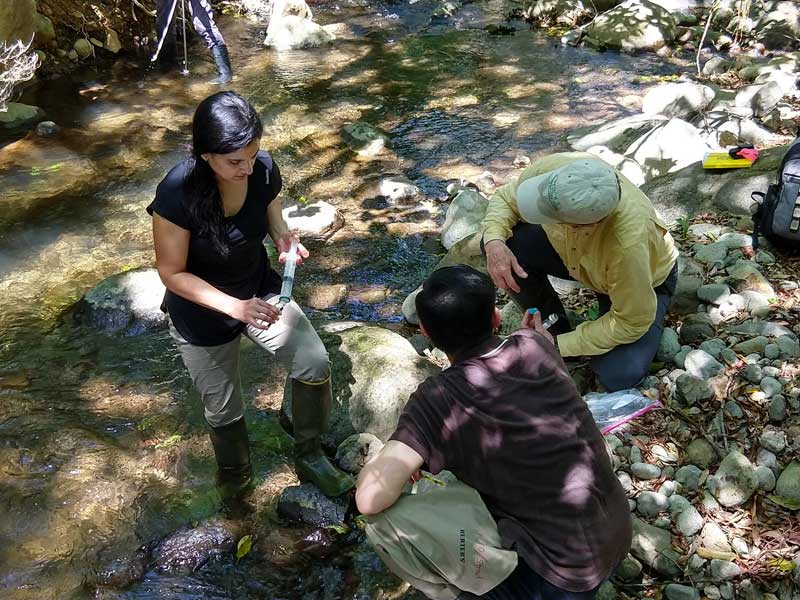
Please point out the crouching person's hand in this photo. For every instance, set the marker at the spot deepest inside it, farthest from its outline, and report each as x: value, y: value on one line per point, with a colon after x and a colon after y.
x: 534, y: 321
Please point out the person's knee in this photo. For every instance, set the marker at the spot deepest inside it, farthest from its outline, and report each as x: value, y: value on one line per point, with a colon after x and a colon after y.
x: 311, y: 362
x: 620, y: 374
x: 221, y: 417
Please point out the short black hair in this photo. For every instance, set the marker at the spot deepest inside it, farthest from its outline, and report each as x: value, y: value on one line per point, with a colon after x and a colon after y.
x: 455, y: 306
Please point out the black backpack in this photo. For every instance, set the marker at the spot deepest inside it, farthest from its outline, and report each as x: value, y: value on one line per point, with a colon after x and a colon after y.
x: 777, y: 213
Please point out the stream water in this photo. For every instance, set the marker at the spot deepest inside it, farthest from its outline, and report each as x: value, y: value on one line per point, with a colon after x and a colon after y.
x: 102, y: 447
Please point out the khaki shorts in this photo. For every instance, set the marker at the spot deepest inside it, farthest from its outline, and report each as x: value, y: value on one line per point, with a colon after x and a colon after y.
x: 215, y: 369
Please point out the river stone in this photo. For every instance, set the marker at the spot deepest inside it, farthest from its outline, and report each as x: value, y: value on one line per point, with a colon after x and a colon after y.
x: 189, y: 549
x: 717, y: 65
x: 714, y: 347
x: 766, y: 478
x: 689, y: 477
x: 668, y: 148
x: 18, y: 20
x: 713, y: 293
x: 293, y: 31
x: 651, y: 504
x: 364, y: 139
x: 398, y: 188
x: 374, y: 371
x: 669, y: 488
x: 746, y: 276
x: 83, y: 47
x: 729, y: 357
x: 788, y: 485
x: 645, y: 471
x: 766, y: 458
x: 47, y: 129
x: 722, y: 570
x: 690, y: 389
x: 567, y: 13
x: 683, y: 100
x: 702, y: 365
x: 304, y: 503
x: 733, y: 409
x: 760, y: 98
x: 779, y: 25
x: 20, y: 115
x: 680, y: 360
x: 735, y: 480
x: 763, y: 328
x: 318, y: 220
x: 700, y: 452
x: 464, y: 216
x: 752, y: 373
x: 629, y: 569
x: 755, y: 345
x: 634, y: 25
x: 625, y: 481
x: 616, y: 136
x: 773, y: 439
x: 710, y: 254
x: 676, y: 591
x: 777, y: 409
x: 713, y: 538
x: 696, y: 328
x: 653, y: 546
x: 789, y: 346
x: 771, y: 386
x: 128, y: 303
x: 356, y: 451
x: 669, y: 345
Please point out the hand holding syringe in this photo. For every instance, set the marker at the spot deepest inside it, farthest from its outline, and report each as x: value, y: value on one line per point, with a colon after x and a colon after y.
x: 533, y: 320
x: 291, y: 259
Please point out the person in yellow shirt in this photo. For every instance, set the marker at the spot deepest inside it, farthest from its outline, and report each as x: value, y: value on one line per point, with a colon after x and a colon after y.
x: 573, y: 216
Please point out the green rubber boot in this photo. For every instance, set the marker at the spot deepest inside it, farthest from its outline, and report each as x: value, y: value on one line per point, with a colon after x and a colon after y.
x: 311, y: 407
x: 234, y: 471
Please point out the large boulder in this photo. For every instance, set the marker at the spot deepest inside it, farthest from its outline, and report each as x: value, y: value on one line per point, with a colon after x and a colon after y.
x: 128, y: 303
x: 628, y: 167
x: 617, y: 135
x: 464, y: 216
x: 291, y: 27
x: 694, y: 189
x: 682, y: 100
x: 723, y: 128
x: 374, y: 371
x: 634, y: 25
x: 668, y: 148
x: 779, y: 25
x: 318, y: 220
x: 561, y: 12
x: 18, y: 19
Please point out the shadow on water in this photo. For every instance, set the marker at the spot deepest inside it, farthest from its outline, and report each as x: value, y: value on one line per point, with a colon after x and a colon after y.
x: 102, y: 446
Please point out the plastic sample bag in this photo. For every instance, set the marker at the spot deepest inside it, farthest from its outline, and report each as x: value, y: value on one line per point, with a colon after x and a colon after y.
x: 616, y: 408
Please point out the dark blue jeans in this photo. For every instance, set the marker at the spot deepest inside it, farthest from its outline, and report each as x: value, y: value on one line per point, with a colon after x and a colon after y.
x: 525, y: 584
x: 624, y: 366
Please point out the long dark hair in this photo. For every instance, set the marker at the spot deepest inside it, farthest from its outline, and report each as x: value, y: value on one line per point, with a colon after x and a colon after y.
x: 223, y: 123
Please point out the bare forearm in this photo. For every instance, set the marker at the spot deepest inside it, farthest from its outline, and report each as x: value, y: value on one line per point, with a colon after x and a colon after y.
x: 193, y: 288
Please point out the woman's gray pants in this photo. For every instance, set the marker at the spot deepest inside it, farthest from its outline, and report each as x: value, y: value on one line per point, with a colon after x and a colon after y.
x: 202, y: 19
x: 214, y: 370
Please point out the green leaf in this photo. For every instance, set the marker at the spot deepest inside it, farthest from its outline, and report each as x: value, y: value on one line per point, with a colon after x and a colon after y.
x: 341, y: 529
x: 790, y: 503
x: 243, y: 547
x: 172, y: 440
x: 782, y: 564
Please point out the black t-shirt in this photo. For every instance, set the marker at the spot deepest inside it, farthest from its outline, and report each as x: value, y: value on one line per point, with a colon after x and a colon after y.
x: 509, y: 422
x: 244, y: 273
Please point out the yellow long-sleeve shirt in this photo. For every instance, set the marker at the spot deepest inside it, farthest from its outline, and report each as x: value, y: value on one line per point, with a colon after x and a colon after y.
x: 624, y: 256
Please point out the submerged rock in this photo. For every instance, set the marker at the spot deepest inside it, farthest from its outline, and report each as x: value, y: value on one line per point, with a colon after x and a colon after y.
x: 189, y: 549
x: 306, y: 504
x: 19, y: 115
x: 127, y: 303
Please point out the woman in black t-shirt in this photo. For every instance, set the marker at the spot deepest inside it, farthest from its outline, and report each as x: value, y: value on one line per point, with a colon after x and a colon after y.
x: 211, y: 215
